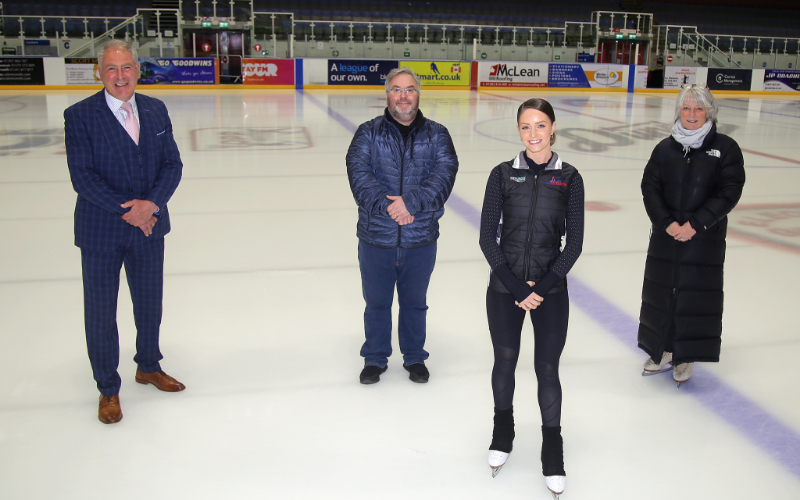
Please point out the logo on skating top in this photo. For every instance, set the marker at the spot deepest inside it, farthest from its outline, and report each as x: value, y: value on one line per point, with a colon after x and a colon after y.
x: 713, y: 152
x: 518, y: 179
x: 554, y: 182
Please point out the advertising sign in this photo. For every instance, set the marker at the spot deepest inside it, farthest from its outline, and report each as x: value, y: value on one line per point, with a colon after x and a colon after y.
x: 177, y: 70
x: 512, y: 74
x: 729, y: 79
x: 675, y: 76
x: 640, y: 79
x: 358, y: 71
x: 81, y: 71
x: 606, y: 75
x: 21, y: 71
x: 786, y: 80
x: 587, y: 76
x: 268, y: 72
x: 566, y: 75
x: 444, y: 73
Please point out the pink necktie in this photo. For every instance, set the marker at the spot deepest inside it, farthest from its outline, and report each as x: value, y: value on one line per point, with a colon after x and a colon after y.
x: 131, y: 125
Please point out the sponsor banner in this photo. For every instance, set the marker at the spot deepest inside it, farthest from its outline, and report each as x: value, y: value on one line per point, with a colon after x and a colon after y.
x: 566, y: 75
x: 37, y: 42
x: 21, y: 71
x: 640, y: 80
x: 606, y: 75
x: 585, y: 57
x: 82, y: 71
x: 177, y: 70
x: 512, y: 74
x: 587, y: 76
x: 359, y: 71
x: 675, y: 76
x: 786, y: 80
x: 441, y: 73
x: 268, y: 72
x: 729, y: 79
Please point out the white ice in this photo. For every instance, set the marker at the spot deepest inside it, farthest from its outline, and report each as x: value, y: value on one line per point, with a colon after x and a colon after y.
x: 263, y: 316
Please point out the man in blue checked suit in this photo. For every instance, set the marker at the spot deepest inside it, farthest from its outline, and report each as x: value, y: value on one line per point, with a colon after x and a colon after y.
x: 125, y: 166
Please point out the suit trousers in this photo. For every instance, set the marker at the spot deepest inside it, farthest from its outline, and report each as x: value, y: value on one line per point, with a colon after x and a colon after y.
x: 143, y: 258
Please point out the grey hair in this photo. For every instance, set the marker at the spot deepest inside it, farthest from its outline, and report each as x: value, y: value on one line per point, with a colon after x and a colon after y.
x: 405, y: 69
x: 700, y: 95
x: 116, y: 44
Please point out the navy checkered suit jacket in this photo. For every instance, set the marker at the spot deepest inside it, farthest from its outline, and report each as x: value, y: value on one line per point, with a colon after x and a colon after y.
x: 108, y: 169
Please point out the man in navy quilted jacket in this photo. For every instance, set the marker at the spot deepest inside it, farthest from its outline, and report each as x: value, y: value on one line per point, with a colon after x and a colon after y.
x: 401, y: 168
x: 125, y: 166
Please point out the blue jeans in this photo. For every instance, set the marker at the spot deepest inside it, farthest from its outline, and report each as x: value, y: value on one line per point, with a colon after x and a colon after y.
x: 410, y: 269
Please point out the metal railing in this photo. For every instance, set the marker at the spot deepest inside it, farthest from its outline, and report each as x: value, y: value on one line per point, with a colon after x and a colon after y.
x: 611, y: 20
x: 135, y: 28
x: 93, y: 42
x: 726, y: 50
x: 689, y: 43
x: 337, y: 31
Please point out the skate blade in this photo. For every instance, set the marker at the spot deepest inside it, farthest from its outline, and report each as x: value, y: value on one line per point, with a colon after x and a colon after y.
x: 646, y: 373
x: 680, y: 383
x: 555, y: 495
x: 496, y: 470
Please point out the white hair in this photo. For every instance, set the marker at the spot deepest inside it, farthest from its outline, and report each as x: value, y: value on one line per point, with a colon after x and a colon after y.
x: 113, y: 45
x: 700, y: 95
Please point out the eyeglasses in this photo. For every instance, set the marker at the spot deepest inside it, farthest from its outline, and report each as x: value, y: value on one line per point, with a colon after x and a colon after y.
x: 698, y: 85
x: 402, y: 91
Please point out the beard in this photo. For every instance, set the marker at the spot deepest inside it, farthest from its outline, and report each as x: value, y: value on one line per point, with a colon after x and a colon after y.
x: 401, y: 116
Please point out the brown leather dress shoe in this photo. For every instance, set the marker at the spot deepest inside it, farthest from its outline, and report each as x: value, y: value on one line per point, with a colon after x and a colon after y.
x: 161, y: 380
x: 110, y: 411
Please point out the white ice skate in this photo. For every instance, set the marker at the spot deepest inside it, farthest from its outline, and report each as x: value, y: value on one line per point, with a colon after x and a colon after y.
x: 555, y: 484
x: 497, y: 459
x: 682, y: 373
x: 653, y: 368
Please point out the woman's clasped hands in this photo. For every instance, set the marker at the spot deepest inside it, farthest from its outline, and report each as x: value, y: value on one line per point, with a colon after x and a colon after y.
x: 532, y: 302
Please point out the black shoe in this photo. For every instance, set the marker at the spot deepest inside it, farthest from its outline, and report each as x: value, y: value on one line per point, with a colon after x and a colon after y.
x: 371, y: 374
x: 417, y: 373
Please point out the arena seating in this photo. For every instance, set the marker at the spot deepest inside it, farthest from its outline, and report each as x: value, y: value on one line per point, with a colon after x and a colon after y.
x: 775, y: 18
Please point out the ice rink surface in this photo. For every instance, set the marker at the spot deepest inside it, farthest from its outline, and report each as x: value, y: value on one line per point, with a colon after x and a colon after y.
x: 263, y: 317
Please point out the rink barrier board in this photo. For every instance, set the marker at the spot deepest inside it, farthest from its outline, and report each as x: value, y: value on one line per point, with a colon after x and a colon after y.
x: 722, y: 92
x: 515, y: 76
x: 151, y: 87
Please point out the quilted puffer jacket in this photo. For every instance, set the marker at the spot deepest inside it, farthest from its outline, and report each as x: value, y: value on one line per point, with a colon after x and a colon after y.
x: 422, y: 169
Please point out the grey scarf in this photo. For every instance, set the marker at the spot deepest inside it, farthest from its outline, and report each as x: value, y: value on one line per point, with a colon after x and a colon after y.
x: 690, y: 138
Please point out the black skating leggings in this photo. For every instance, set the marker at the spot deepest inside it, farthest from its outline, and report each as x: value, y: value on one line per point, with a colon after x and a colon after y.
x: 550, y: 321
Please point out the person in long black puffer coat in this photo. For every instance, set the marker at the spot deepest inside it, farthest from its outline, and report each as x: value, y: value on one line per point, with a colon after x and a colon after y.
x: 693, y: 180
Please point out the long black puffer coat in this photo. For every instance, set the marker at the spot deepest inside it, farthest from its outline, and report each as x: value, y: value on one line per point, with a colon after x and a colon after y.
x: 682, y: 293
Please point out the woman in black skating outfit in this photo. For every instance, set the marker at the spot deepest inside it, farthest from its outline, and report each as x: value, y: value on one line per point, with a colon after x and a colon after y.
x: 531, y: 203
